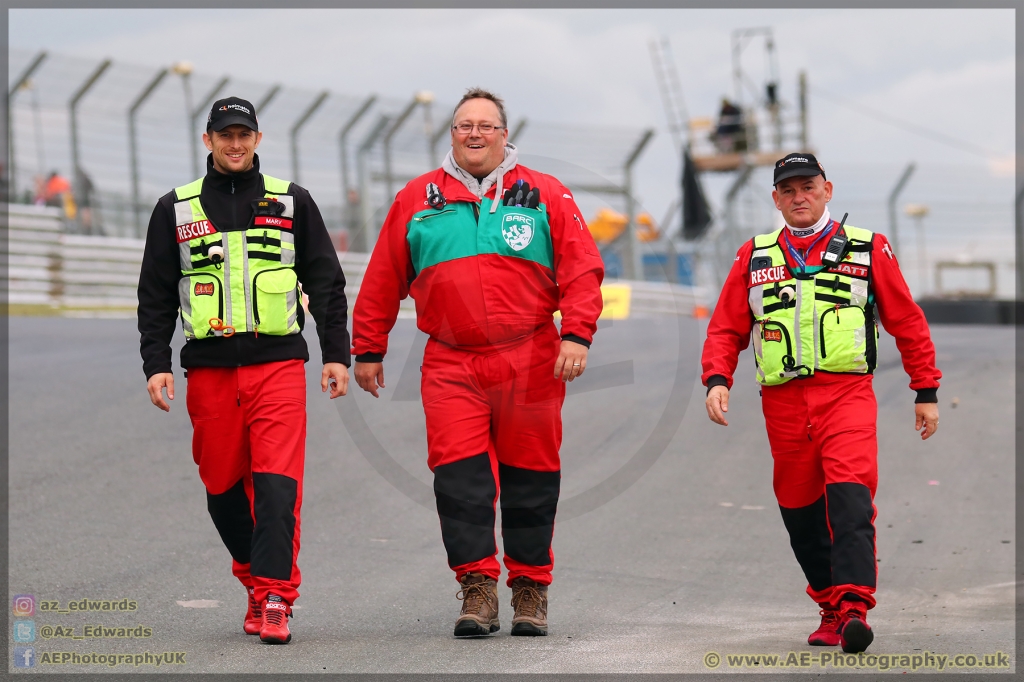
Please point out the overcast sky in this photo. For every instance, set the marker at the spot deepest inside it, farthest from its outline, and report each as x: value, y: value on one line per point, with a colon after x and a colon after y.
x: 949, y: 70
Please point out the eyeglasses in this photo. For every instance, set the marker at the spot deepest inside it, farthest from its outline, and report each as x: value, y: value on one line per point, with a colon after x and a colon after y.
x: 484, y: 128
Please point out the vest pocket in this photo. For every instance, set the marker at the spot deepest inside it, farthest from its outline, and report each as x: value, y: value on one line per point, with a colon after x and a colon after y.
x: 776, y: 356
x: 201, y: 297
x: 274, y: 301
x: 839, y: 339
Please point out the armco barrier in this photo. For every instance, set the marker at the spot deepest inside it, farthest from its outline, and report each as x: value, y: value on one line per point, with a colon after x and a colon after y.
x: 50, y: 271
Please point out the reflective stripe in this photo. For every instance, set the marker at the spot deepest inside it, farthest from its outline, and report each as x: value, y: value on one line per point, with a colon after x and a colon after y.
x: 182, y: 213
x: 293, y: 308
x: 287, y: 247
x: 247, y: 286
x: 185, y: 299
x: 225, y: 242
x: 289, y: 205
x: 185, y: 256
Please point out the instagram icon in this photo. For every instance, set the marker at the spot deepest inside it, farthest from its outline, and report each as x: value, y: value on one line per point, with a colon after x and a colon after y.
x: 24, y: 605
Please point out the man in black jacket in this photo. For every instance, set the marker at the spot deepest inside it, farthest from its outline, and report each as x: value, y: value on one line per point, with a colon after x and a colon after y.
x: 226, y: 253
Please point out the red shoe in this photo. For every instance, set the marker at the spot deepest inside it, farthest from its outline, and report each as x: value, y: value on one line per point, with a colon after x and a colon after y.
x: 276, y: 613
x: 855, y: 633
x: 253, y: 615
x: 827, y: 633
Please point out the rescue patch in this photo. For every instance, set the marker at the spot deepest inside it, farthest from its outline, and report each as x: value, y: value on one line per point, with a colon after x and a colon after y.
x: 851, y: 270
x: 200, y: 228
x: 776, y: 273
x: 273, y: 221
x: 203, y: 289
x: 518, y: 230
x: 773, y: 335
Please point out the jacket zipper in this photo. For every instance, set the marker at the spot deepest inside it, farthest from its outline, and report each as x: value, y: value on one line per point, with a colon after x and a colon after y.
x: 476, y: 212
x: 431, y: 215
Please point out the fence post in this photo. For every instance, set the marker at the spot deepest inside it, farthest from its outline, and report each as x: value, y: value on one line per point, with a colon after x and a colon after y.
x: 360, y: 239
x: 633, y: 263
x: 893, y: 225
x: 76, y: 166
x: 435, y: 139
x: 133, y: 149
x: 294, y: 133
x: 388, y: 180
x: 518, y: 130
x: 348, y: 206
x: 26, y: 74
x: 267, y: 98
x: 194, y: 115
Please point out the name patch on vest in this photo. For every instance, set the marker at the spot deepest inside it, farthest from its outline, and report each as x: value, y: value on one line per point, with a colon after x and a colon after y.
x: 851, y: 270
x: 274, y: 221
x: 204, y: 289
x: 195, y: 230
x: 776, y: 273
x: 773, y: 335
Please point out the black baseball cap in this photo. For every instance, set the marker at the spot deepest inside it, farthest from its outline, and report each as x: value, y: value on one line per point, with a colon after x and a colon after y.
x: 232, y: 111
x: 797, y: 165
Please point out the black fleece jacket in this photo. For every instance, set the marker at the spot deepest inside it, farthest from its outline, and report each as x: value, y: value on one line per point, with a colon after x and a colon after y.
x: 227, y: 200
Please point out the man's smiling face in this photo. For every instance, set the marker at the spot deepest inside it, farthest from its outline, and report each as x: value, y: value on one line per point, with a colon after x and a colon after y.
x: 233, y: 148
x: 474, y: 151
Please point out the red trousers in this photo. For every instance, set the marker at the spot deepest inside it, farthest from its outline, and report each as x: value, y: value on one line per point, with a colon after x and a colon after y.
x: 823, y: 439
x: 494, y: 425
x: 249, y: 440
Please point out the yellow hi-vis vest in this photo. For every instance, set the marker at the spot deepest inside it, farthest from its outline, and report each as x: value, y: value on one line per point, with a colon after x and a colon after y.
x: 249, y: 284
x: 812, y: 322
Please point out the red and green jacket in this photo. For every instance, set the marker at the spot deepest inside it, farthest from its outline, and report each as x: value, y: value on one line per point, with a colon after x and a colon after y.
x: 480, y: 278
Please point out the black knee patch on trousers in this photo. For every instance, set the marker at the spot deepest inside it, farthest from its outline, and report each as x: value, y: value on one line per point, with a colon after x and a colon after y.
x: 853, y: 534
x: 811, y: 543
x: 528, y: 503
x: 233, y: 520
x: 274, y: 497
x: 465, y: 492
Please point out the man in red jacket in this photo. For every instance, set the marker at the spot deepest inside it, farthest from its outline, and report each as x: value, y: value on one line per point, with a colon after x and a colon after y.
x: 808, y: 294
x: 489, y: 250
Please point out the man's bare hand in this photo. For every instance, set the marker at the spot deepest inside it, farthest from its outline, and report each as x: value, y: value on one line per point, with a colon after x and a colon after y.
x: 572, y: 360
x: 927, y: 419
x: 370, y: 376
x: 717, y: 404
x: 156, y: 385
x: 334, y: 376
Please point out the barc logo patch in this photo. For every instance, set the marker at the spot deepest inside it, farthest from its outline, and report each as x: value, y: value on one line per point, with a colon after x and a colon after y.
x: 517, y: 229
x: 204, y: 289
x: 773, y: 335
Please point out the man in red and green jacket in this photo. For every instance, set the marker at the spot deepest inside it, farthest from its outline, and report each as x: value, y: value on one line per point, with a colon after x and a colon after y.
x: 489, y: 250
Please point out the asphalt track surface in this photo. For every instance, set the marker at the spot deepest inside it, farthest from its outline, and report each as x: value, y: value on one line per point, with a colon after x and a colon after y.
x: 669, y: 544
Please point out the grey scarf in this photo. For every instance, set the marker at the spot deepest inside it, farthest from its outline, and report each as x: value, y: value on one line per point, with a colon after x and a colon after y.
x: 480, y: 188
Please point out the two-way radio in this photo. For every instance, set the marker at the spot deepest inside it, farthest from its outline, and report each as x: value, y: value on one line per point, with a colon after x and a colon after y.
x: 836, y: 248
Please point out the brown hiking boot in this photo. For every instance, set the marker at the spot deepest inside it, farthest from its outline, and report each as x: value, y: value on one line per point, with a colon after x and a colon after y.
x: 530, y: 600
x: 479, y: 596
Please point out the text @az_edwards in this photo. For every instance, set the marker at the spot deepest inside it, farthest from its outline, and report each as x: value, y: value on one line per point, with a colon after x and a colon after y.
x: 95, y: 632
x: 85, y: 604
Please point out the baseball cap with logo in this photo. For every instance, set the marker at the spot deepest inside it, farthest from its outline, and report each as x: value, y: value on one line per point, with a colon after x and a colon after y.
x: 232, y: 111
x: 797, y: 165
